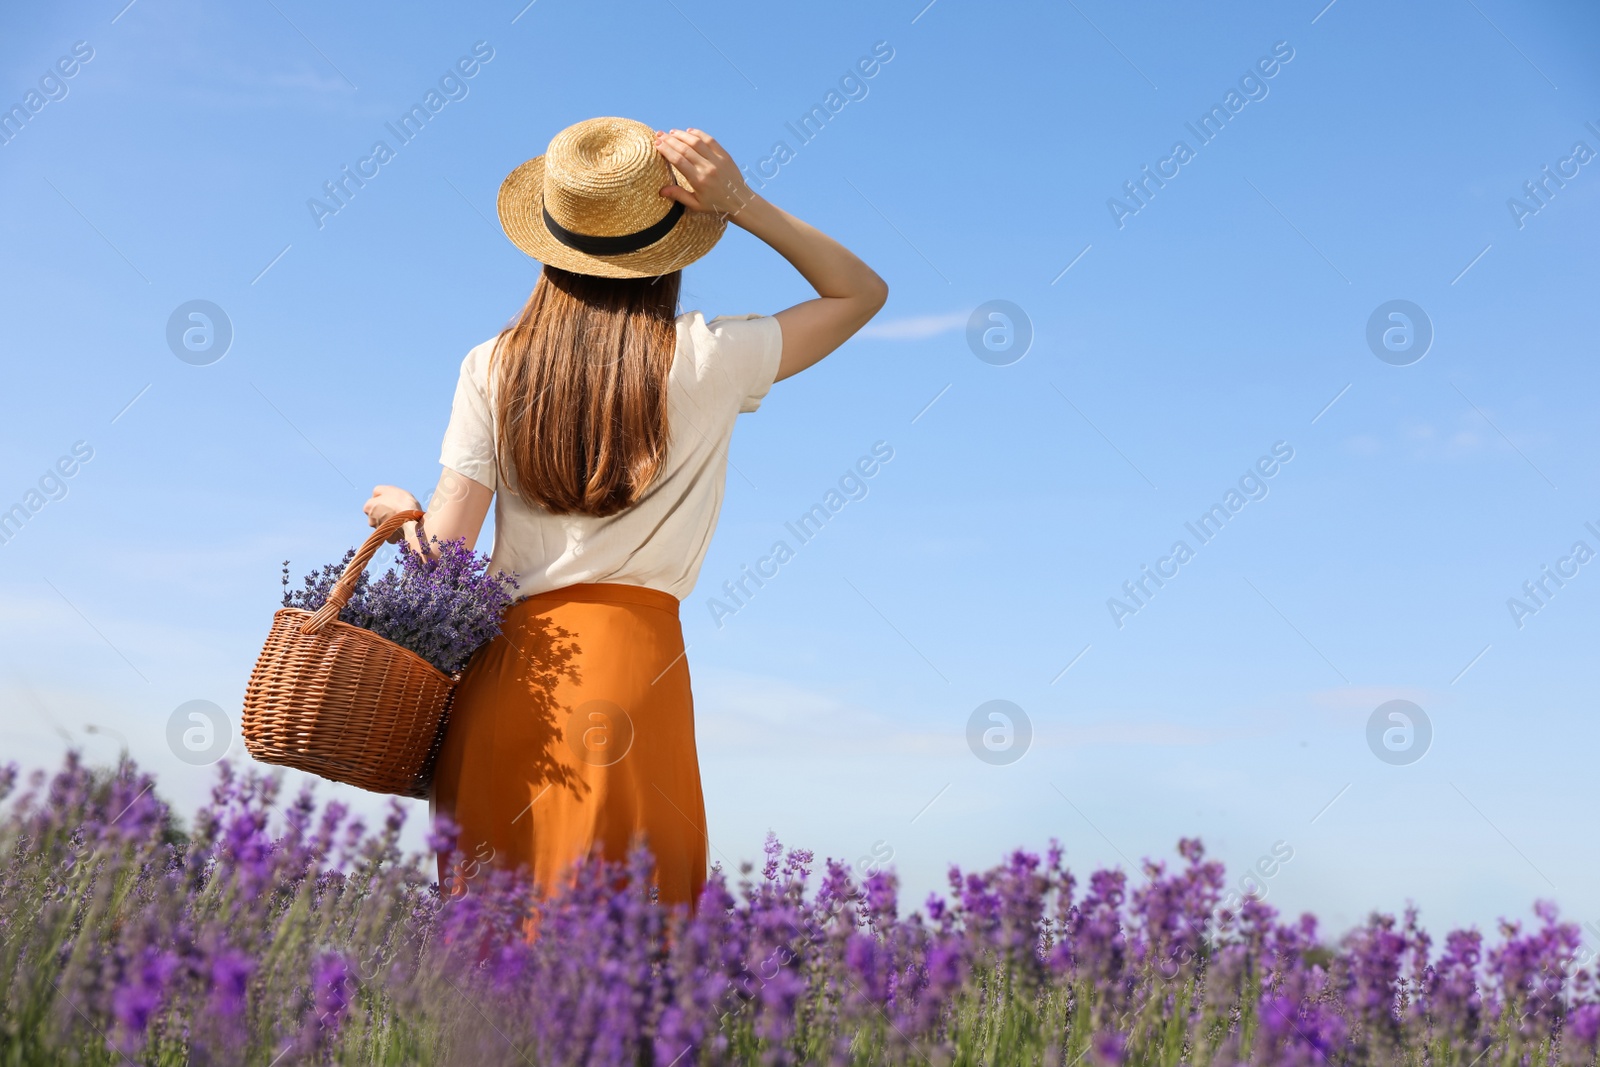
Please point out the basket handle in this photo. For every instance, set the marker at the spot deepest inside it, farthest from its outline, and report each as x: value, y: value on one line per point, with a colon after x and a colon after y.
x: 346, y: 585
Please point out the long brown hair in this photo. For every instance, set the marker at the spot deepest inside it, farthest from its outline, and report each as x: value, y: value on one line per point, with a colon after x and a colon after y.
x: 581, y: 391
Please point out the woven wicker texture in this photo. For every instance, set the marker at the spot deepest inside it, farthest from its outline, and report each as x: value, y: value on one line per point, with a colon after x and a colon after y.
x: 342, y: 702
x: 602, y: 178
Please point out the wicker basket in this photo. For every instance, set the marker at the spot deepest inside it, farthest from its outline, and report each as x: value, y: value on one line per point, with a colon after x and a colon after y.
x: 342, y: 702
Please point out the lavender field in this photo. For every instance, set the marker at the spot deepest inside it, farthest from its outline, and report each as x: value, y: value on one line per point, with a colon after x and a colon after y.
x: 273, y: 930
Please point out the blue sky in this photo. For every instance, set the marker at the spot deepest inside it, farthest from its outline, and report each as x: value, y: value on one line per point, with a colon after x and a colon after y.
x: 1225, y: 316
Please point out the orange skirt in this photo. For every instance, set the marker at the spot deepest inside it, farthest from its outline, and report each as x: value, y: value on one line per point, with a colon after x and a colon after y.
x: 574, y: 731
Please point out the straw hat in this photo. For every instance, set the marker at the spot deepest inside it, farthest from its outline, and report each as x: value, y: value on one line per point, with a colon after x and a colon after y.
x: 592, y: 205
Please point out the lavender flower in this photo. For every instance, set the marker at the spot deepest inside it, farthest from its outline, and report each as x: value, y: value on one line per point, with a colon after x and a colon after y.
x: 139, y: 995
x: 271, y: 928
x: 443, y: 606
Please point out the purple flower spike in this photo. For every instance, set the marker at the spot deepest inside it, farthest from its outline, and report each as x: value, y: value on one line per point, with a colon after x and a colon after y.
x: 443, y: 606
x: 270, y: 927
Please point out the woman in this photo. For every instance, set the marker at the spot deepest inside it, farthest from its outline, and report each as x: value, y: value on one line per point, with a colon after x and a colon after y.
x: 598, y: 423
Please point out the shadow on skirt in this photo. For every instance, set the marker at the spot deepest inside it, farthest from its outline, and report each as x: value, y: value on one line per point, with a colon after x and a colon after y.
x: 574, y: 730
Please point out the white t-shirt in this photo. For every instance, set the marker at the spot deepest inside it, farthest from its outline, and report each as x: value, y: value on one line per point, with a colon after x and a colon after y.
x: 719, y: 369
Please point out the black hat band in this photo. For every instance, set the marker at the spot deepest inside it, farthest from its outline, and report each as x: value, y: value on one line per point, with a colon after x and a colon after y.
x: 614, y: 246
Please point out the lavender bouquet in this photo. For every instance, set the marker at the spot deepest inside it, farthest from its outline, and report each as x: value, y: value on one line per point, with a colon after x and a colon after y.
x: 443, y: 606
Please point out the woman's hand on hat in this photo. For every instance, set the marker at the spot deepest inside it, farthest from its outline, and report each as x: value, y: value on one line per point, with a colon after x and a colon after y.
x: 719, y: 188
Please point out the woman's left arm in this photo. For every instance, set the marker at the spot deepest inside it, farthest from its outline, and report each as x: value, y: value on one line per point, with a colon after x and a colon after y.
x: 456, y: 510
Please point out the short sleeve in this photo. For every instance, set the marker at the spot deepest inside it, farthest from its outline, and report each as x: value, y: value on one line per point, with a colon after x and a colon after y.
x: 468, y: 447
x: 748, y: 347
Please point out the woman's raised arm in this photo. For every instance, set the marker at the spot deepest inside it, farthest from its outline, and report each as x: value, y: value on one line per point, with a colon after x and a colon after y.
x: 849, y: 292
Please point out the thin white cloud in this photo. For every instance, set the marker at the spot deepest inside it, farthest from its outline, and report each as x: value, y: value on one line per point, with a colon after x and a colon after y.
x: 915, y: 327
x: 1349, y: 705
x: 1157, y: 733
